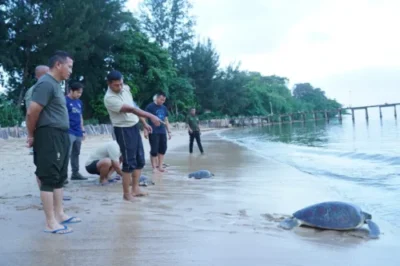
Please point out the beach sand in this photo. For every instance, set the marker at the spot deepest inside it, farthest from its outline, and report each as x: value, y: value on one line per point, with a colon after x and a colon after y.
x: 231, y: 219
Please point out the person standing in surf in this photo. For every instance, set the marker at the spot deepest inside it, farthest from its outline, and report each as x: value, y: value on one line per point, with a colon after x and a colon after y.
x: 192, y: 122
x: 158, y: 136
x: 124, y: 117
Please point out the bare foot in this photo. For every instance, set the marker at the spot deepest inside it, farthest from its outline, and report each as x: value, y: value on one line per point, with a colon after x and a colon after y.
x: 155, y: 170
x: 129, y: 197
x: 138, y: 193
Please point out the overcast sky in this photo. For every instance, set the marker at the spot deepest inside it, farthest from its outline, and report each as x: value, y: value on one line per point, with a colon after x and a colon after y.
x: 349, y: 48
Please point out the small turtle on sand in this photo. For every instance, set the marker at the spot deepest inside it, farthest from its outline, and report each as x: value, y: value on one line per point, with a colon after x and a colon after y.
x: 144, y: 181
x: 333, y: 215
x: 201, y: 174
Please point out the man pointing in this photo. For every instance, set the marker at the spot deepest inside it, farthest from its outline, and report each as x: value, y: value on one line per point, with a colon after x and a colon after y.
x: 124, y: 118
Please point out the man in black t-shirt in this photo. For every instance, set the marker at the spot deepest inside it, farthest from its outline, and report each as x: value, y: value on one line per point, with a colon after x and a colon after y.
x: 158, y: 138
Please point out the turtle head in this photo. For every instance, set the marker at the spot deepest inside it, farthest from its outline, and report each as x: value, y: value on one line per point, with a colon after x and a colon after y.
x: 367, y: 216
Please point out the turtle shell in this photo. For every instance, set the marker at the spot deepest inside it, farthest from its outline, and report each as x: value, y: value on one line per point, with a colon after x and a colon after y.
x: 201, y: 174
x: 331, y: 215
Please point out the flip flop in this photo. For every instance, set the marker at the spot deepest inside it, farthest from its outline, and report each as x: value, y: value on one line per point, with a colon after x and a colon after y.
x: 72, y: 220
x: 67, y: 198
x: 61, y: 231
x: 117, y: 177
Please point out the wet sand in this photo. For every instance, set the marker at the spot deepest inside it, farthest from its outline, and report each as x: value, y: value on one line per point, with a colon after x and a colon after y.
x: 228, y: 220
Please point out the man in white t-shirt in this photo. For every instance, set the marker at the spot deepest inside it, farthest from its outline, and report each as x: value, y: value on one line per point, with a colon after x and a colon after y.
x: 104, y: 161
x: 125, y: 117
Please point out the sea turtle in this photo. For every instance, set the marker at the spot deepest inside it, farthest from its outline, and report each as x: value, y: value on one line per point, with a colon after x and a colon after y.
x: 144, y: 181
x: 201, y: 174
x: 332, y: 215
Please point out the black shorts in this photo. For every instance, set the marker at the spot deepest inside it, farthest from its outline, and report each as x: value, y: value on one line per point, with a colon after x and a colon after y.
x: 92, y: 168
x: 51, y: 157
x: 158, y: 144
x: 131, y: 146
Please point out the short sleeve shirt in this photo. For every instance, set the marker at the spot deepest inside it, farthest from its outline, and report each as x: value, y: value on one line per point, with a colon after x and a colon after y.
x: 48, y: 93
x: 193, y: 122
x: 114, y: 101
x: 161, y: 112
x: 109, y: 150
x: 75, y: 109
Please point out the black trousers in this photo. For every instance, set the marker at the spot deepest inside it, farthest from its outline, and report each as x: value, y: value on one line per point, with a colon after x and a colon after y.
x: 51, y: 157
x: 192, y: 136
x: 158, y: 144
x: 131, y: 146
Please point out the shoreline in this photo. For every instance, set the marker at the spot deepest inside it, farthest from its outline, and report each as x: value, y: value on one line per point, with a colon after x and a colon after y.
x: 183, y: 221
x: 18, y: 163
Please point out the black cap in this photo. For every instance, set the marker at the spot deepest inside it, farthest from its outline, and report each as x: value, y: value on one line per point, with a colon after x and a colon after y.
x: 114, y: 75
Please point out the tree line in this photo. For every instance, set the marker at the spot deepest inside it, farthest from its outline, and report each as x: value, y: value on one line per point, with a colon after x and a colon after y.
x: 156, y: 50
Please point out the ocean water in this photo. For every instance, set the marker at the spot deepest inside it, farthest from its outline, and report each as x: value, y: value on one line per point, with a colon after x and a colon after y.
x: 360, y: 161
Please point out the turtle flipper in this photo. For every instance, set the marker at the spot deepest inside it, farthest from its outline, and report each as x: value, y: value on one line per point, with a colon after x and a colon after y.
x: 373, y: 229
x: 289, y: 223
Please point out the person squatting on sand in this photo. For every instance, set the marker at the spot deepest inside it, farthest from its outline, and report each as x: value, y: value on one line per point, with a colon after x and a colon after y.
x: 104, y: 161
x: 76, y: 130
x: 47, y: 124
x: 118, y: 101
x: 158, y: 136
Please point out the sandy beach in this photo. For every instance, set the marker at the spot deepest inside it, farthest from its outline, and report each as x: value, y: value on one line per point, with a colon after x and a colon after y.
x: 231, y: 219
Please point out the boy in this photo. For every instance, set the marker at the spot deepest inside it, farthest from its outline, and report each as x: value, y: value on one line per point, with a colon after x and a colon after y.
x: 76, y: 130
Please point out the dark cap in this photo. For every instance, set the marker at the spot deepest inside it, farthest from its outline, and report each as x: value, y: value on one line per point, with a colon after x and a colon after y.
x: 114, y: 75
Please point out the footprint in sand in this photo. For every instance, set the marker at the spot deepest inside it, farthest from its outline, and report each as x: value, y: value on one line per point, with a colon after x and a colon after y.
x: 243, y: 213
x: 73, y: 209
x: 23, y: 208
x: 274, y: 217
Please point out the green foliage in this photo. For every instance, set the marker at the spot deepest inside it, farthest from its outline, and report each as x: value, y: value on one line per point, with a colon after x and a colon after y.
x: 201, y: 67
x: 146, y: 67
x: 10, y: 114
x: 98, y: 108
x: 211, y: 115
x: 313, y: 99
x: 169, y: 23
x: 157, y: 54
x: 181, y: 97
x: 86, y: 29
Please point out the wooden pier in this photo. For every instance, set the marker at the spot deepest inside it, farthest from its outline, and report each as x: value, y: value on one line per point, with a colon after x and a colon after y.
x: 365, y: 108
x: 326, y: 114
